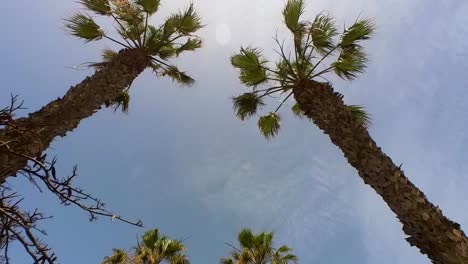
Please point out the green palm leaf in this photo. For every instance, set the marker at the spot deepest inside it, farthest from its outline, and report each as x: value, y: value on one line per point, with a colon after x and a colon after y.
x: 185, y: 23
x: 246, y: 105
x: 322, y: 31
x: 108, y: 55
x: 190, y: 45
x: 351, y: 62
x: 149, y: 6
x: 118, y: 257
x: 122, y: 101
x: 101, y: 7
x: 360, y: 114
x: 246, y: 238
x: 269, y: 125
x: 150, y: 238
x: 179, y: 259
x: 296, y: 109
x: 292, y: 13
x: 167, y: 51
x: 84, y: 27
x: 178, y: 76
x: 361, y: 30
x: 251, y: 65
x: 226, y: 261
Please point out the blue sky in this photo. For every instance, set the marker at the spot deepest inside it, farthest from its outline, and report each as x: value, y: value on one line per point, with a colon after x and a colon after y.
x: 180, y: 161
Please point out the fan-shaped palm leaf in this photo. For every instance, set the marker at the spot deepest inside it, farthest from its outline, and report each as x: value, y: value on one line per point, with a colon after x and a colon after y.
x: 247, y: 105
x: 251, y: 65
x: 118, y: 257
x: 84, y: 27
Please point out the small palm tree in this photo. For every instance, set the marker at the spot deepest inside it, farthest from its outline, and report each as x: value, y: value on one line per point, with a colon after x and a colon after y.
x: 118, y: 257
x: 258, y: 249
x: 143, y: 46
x: 156, y: 248
x: 316, y: 43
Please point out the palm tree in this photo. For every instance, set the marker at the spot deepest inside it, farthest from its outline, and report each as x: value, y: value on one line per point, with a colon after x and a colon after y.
x: 156, y: 248
x: 118, y: 257
x: 316, y: 42
x: 143, y: 46
x: 258, y: 249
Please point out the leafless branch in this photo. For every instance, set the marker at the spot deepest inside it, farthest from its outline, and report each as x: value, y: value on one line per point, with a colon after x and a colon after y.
x: 21, y: 226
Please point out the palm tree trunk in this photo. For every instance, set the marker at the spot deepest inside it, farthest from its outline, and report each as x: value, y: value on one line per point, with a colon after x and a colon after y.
x: 427, y: 228
x: 30, y: 136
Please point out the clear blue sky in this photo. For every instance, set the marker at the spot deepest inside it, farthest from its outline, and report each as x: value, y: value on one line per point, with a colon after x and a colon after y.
x: 180, y: 161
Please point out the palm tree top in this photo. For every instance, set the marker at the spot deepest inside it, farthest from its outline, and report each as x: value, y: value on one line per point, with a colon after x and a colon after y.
x: 131, y: 21
x: 119, y: 256
x: 154, y: 248
x: 258, y: 249
x: 315, y: 42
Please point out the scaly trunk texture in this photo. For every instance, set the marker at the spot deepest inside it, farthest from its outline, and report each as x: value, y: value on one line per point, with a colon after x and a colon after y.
x: 428, y: 229
x: 30, y: 136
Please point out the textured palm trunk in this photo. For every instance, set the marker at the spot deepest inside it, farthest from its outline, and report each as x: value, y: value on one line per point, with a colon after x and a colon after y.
x: 30, y: 136
x: 427, y: 228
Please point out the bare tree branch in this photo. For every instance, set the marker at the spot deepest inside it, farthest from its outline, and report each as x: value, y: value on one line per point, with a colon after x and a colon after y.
x: 20, y: 226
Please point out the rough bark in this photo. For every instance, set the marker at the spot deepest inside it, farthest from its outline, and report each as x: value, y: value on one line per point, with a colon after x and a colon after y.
x: 427, y: 228
x: 32, y: 135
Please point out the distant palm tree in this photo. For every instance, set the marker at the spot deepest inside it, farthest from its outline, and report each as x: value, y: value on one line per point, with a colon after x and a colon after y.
x: 314, y: 44
x: 258, y: 249
x: 153, y: 249
x: 118, y: 257
x: 144, y: 46
x: 156, y: 248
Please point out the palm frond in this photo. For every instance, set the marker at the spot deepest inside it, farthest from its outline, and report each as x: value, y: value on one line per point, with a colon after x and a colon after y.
x: 360, y: 114
x: 122, y: 101
x: 190, y: 45
x: 185, y: 23
x: 297, y: 110
x: 251, y: 63
x: 118, y: 257
x: 322, y: 31
x: 283, y: 249
x: 101, y: 7
x: 361, y: 30
x: 178, y: 76
x: 246, y: 105
x: 350, y: 63
x: 269, y: 125
x: 154, y: 39
x: 246, y: 238
x: 108, y: 55
x: 150, y: 238
x: 179, y: 259
x: 226, y: 261
x: 83, y: 26
x: 130, y: 13
x: 149, y: 6
x: 167, y: 51
x: 283, y: 71
x: 173, y: 247
x: 292, y: 13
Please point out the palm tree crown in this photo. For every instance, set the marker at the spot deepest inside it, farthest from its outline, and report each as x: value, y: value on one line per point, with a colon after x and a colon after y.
x: 153, y: 249
x: 119, y: 257
x: 258, y: 249
x: 156, y: 248
x: 131, y: 21
x: 314, y: 41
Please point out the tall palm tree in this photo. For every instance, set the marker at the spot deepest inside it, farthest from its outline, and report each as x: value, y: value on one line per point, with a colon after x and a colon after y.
x: 156, y: 248
x: 258, y: 249
x: 316, y: 42
x: 143, y: 46
x: 119, y: 256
